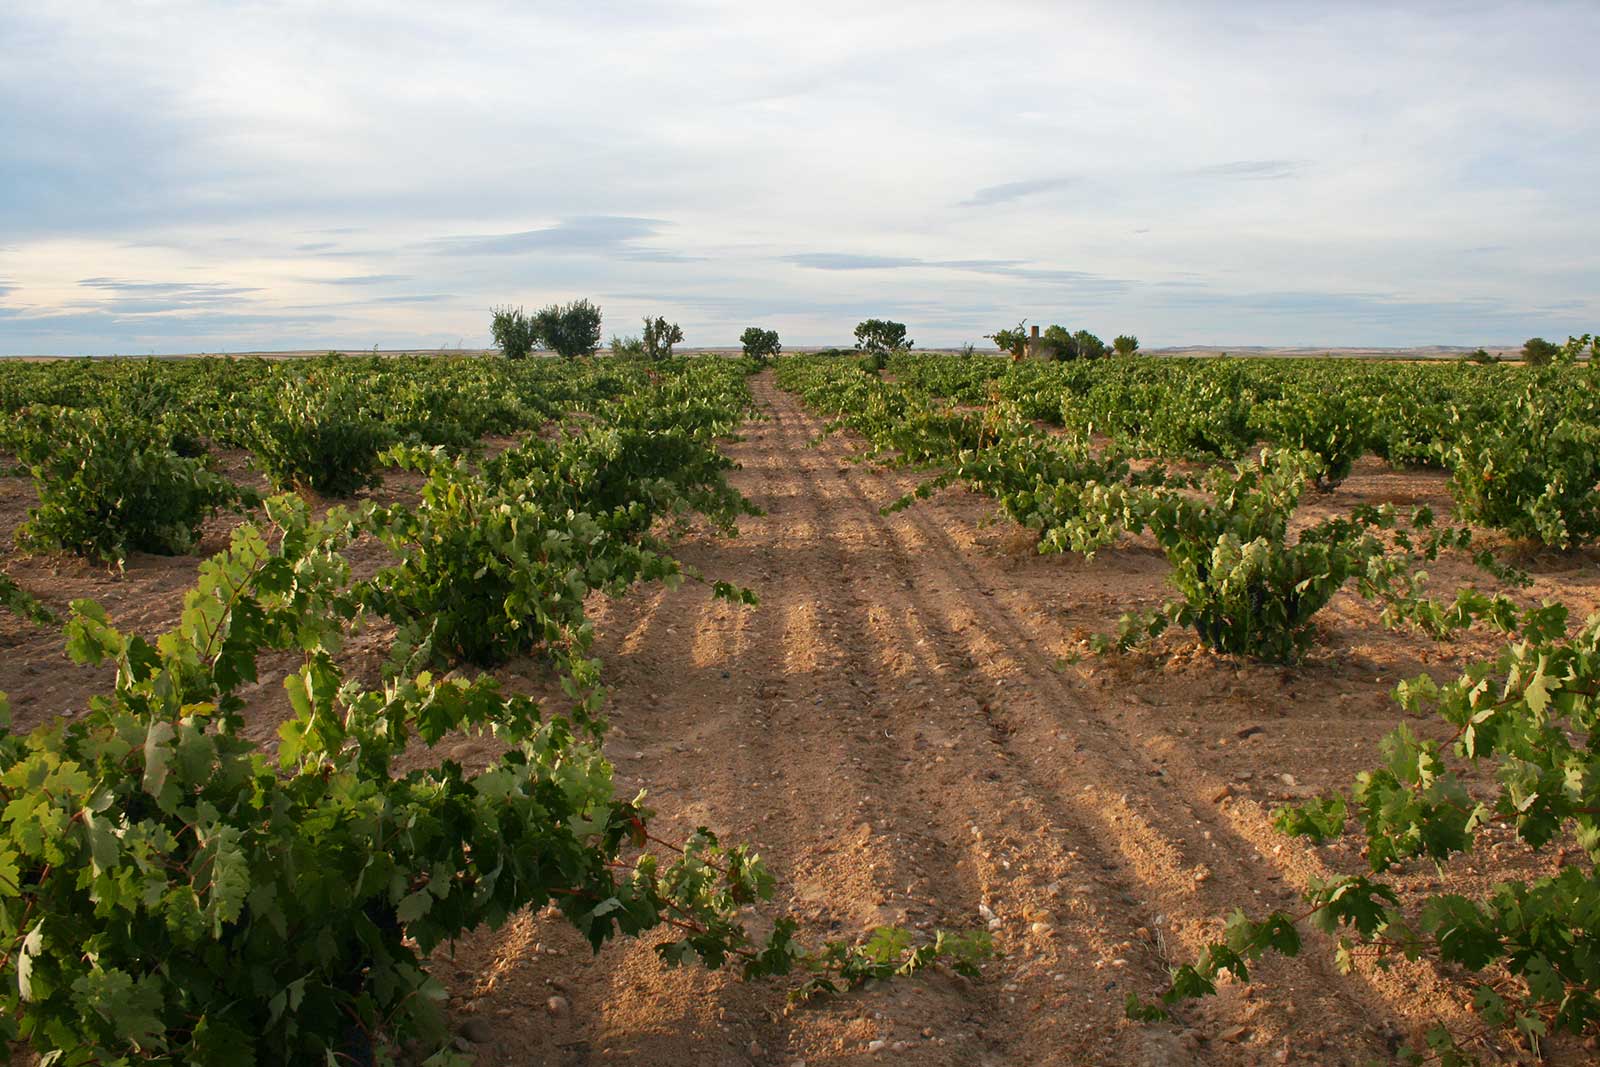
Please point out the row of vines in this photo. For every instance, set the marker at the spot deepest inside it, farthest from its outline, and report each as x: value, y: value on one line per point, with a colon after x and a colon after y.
x: 172, y: 892
x: 1062, y: 449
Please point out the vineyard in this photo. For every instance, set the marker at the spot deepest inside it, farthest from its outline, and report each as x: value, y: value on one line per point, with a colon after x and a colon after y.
x: 907, y: 708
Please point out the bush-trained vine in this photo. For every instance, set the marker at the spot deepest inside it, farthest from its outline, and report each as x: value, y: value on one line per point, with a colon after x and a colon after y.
x: 1525, y: 722
x: 109, y: 485
x: 1535, y: 471
x: 312, y: 436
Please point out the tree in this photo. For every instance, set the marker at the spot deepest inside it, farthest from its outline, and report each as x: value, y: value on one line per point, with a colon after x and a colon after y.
x: 760, y: 344
x: 1087, y: 346
x: 1537, y: 352
x: 1013, y: 340
x: 627, y: 347
x: 879, y: 337
x: 515, y: 332
x: 1125, y: 344
x: 569, y: 329
x: 1056, y: 343
x: 659, y: 337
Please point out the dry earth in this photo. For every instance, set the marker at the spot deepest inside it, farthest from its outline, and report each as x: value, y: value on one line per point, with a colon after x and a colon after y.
x: 908, y: 730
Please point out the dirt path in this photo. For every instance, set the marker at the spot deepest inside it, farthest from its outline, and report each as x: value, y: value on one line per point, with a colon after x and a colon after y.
x: 898, y: 731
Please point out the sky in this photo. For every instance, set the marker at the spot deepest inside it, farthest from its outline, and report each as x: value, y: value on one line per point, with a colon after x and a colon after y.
x: 190, y: 176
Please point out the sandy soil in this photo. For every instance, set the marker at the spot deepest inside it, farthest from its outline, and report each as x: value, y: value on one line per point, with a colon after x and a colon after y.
x: 908, y: 730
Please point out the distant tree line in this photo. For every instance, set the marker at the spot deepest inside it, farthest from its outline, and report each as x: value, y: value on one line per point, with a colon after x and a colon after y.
x: 572, y: 330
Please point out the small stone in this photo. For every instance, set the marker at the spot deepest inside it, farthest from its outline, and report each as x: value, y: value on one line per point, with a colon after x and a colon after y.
x: 1041, y: 929
x: 1286, y: 779
x: 900, y: 1046
x: 877, y: 1045
x: 1202, y: 875
x: 558, y: 1007
x: 754, y: 1049
x: 1222, y: 794
x: 1249, y: 731
x: 477, y: 1031
x: 1234, y: 1034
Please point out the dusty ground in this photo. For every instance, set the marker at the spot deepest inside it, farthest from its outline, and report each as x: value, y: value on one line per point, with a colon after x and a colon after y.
x: 907, y: 729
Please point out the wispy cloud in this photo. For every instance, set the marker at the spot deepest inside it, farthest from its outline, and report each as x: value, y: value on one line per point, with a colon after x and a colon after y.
x: 1006, y: 192
x: 595, y: 234
x: 367, y: 279
x: 851, y: 261
x: 1082, y: 282
x: 1252, y: 169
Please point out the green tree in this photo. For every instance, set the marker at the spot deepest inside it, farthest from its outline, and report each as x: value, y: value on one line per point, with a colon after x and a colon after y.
x: 1056, y: 343
x: 1013, y: 340
x: 760, y: 344
x: 659, y: 337
x: 627, y: 347
x: 1537, y: 352
x: 879, y: 337
x: 515, y: 332
x: 570, y: 330
x: 1125, y: 344
x: 1087, y: 346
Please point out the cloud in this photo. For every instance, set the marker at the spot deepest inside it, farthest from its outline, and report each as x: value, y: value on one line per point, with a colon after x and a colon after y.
x: 367, y: 279
x: 1252, y: 169
x: 1083, y: 282
x: 851, y: 261
x: 169, y: 294
x: 594, y: 234
x: 1005, y: 192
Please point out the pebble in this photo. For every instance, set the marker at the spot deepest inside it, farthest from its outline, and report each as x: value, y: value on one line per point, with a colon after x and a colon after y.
x: 477, y: 1031
x: 1234, y: 1034
x: 558, y: 1007
x: 754, y: 1049
x: 877, y: 1045
x: 1286, y: 779
x: 1222, y: 794
x: 1040, y: 929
